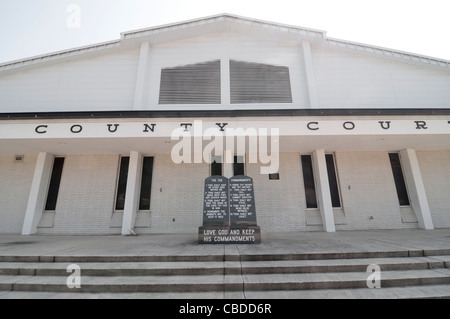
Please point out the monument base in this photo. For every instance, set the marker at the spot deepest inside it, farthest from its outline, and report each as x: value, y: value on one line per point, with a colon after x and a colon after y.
x: 229, y: 235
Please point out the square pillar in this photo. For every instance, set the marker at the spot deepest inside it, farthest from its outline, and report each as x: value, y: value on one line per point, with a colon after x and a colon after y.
x: 38, y: 193
x: 323, y: 190
x: 225, y: 81
x: 141, y: 78
x: 132, y: 193
x: 416, y: 189
x: 309, y: 73
x: 228, y: 162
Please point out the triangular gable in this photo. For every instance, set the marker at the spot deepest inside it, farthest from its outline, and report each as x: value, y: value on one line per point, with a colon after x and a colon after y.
x: 219, y: 23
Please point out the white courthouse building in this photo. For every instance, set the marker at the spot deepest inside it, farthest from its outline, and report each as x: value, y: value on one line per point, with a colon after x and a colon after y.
x: 358, y: 136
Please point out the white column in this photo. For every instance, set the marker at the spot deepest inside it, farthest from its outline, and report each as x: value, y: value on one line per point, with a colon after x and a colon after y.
x: 309, y: 72
x: 139, y: 99
x: 228, y: 161
x: 132, y: 193
x: 323, y: 190
x: 38, y: 193
x: 225, y: 81
x: 416, y: 189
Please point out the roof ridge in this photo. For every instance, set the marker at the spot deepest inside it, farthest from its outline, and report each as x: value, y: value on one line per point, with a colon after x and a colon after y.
x: 218, y: 17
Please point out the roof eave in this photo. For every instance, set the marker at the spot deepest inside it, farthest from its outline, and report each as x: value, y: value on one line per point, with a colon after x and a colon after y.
x: 58, y: 55
x: 389, y: 53
x: 131, y: 37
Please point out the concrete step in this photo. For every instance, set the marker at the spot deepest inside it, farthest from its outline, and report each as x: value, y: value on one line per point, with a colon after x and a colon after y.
x: 228, y: 267
x: 124, y: 284
x: 344, y: 280
x: 343, y: 265
x: 209, y: 295
x: 229, y: 283
x: 231, y: 276
x: 410, y: 292
x: 122, y: 268
x: 230, y: 256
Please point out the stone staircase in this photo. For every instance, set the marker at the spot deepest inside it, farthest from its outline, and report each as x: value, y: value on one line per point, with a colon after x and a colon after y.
x: 404, y: 274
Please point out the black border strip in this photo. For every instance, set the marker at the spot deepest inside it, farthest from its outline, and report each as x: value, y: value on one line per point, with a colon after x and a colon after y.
x: 221, y: 113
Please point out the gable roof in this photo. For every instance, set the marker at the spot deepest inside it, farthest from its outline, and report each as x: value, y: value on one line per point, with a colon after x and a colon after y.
x: 230, y: 18
x: 223, y: 22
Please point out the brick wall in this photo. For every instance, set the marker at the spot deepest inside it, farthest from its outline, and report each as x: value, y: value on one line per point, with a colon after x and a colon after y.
x: 280, y: 204
x: 177, y: 193
x: 435, y: 169
x: 368, y: 190
x: 177, y: 196
x: 15, y: 185
x: 88, y: 185
x: 86, y: 196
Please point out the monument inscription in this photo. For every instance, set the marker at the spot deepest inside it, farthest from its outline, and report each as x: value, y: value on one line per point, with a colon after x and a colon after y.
x: 215, y: 204
x: 242, y: 201
x: 229, y: 213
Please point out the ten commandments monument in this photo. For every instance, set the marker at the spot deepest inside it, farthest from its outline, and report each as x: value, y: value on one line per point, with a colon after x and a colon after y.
x: 229, y: 213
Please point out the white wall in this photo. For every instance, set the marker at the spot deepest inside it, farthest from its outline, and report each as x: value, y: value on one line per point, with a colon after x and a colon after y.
x: 90, y: 84
x: 15, y: 185
x: 342, y: 78
x: 368, y: 189
x: 280, y: 204
x: 87, y: 193
x: 86, y: 196
x: 227, y: 46
x: 435, y: 169
x: 177, y: 193
x: 347, y: 80
x: 366, y: 184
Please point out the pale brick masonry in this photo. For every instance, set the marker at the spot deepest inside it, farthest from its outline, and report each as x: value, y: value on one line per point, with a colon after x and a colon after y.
x: 88, y: 189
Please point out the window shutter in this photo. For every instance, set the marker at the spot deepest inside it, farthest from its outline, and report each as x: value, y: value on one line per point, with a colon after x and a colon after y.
x: 259, y: 83
x: 191, y: 84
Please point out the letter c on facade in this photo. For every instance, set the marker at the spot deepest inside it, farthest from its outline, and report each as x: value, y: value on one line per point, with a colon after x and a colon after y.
x: 312, y: 128
x: 40, y: 129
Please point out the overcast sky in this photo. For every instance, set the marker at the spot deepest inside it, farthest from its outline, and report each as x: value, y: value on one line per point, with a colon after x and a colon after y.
x: 34, y: 27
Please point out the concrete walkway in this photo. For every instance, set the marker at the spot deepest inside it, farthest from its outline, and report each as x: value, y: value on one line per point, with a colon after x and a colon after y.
x: 186, y: 245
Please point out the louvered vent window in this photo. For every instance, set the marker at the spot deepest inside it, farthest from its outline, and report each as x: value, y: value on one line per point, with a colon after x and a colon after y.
x: 259, y: 83
x: 191, y: 84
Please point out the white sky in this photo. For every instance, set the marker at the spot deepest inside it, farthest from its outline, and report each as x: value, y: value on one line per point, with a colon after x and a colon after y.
x: 33, y: 27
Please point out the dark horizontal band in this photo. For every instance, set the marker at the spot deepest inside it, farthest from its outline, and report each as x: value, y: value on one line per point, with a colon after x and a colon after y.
x: 222, y: 113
